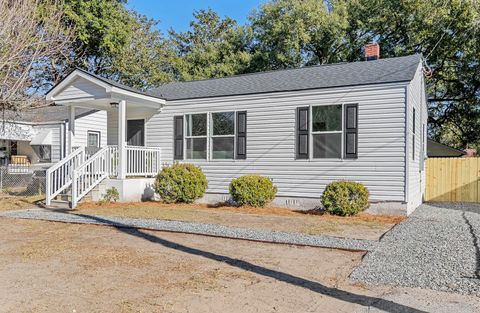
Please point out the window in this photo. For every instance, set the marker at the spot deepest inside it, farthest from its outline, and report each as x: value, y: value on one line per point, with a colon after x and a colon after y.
x: 196, y: 136
x: 327, y: 131
x: 217, y: 135
x: 44, y: 152
x: 413, y: 121
x: 332, y: 132
x: 93, y: 139
x: 223, y: 135
x: 413, y: 134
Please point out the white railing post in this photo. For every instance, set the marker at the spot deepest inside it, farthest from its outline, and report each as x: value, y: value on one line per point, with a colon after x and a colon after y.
x: 122, y: 149
x: 47, y: 188
x: 74, y: 189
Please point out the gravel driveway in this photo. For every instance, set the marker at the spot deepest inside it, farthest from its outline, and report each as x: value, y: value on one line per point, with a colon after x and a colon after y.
x: 436, y: 248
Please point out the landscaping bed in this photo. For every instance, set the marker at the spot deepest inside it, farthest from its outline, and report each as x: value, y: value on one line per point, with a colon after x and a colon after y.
x: 361, y: 226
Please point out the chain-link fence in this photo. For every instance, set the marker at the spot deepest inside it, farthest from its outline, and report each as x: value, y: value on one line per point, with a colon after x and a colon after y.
x: 22, y: 180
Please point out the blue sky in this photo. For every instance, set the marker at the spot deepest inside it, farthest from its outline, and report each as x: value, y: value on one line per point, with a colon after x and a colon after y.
x: 177, y: 14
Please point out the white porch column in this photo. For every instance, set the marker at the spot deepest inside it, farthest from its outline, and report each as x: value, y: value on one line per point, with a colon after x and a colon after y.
x: 71, y: 128
x: 122, y: 139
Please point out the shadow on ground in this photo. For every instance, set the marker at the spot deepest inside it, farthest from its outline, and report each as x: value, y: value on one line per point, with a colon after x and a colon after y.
x: 368, y: 301
x: 459, y: 206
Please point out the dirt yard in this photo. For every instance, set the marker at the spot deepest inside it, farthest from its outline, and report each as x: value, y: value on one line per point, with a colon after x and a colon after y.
x: 362, y: 226
x: 55, y: 267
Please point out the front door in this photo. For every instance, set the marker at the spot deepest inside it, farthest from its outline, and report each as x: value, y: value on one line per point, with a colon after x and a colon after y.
x: 136, y: 132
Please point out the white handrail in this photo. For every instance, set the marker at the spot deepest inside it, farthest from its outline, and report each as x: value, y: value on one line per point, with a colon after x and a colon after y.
x: 90, y: 174
x: 84, y: 174
x: 59, y: 176
x: 143, y: 161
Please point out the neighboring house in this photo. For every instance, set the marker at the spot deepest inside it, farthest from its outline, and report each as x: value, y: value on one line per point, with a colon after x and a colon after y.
x: 439, y: 150
x: 303, y: 128
x: 38, y: 136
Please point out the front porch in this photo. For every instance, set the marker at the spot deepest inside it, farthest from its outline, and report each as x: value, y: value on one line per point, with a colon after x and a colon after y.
x: 124, y: 157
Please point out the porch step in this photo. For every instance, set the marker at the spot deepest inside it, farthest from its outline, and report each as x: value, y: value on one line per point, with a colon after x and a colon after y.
x: 58, y: 204
x: 95, y: 194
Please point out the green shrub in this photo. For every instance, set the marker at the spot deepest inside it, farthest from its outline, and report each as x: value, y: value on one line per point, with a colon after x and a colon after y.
x: 181, y: 183
x: 111, y: 195
x: 345, y: 198
x: 253, y: 190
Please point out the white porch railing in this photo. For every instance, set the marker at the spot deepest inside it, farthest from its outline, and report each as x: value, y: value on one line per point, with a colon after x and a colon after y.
x: 143, y: 161
x: 59, y: 176
x: 83, y: 174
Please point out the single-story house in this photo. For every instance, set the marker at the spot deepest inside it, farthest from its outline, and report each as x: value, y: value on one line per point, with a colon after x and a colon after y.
x: 38, y: 136
x: 439, y: 150
x: 303, y: 128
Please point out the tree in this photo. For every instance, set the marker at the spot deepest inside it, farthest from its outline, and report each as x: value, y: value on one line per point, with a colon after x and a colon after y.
x: 446, y: 33
x: 214, y: 47
x: 117, y: 43
x: 292, y: 33
x: 32, y: 39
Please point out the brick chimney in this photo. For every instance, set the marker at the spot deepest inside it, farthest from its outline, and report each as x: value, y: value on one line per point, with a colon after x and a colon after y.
x: 372, y: 51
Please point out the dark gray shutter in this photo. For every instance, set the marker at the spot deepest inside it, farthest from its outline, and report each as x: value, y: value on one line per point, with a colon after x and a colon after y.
x: 351, y: 131
x: 302, y: 132
x: 241, y: 152
x: 178, y: 138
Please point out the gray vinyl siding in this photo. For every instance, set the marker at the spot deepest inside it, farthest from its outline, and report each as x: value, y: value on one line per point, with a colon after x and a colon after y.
x: 81, y: 88
x: 96, y: 121
x: 416, y: 176
x: 271, y: 140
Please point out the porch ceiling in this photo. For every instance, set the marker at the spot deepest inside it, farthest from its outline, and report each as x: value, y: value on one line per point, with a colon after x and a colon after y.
x: 83, y: 89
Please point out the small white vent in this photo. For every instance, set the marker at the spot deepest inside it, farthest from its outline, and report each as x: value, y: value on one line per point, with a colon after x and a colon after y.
x: 291, y: 202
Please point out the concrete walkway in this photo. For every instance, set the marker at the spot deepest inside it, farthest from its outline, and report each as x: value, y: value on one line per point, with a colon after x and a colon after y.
x: 196, y: 228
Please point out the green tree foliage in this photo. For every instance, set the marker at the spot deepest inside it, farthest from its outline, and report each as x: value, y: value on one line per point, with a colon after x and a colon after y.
x: 447, y: 33
x: 213, y: 47
x: 117, y: 43
x: 292, y: 33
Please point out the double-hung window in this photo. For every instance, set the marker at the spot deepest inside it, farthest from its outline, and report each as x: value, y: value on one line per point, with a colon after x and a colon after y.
x: 223, y: 135
x: 327, y: 132
x: 210, y: 136
x: 196, y: 136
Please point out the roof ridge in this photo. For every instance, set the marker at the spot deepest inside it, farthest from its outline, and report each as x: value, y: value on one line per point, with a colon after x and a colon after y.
x: 285, y: 69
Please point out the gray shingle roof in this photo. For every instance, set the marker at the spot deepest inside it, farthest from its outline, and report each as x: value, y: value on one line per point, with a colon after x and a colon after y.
x: 323, y: 76
x: 46, y: 114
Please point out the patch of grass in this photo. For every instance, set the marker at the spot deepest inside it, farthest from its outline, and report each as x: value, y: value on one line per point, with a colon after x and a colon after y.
x: 12, y: 203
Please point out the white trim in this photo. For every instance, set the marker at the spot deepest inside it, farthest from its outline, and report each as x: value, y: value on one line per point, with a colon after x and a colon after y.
x: 118, y: 91
x: 112, y: 92
x: 407, y: 145
x: 71, y: 77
